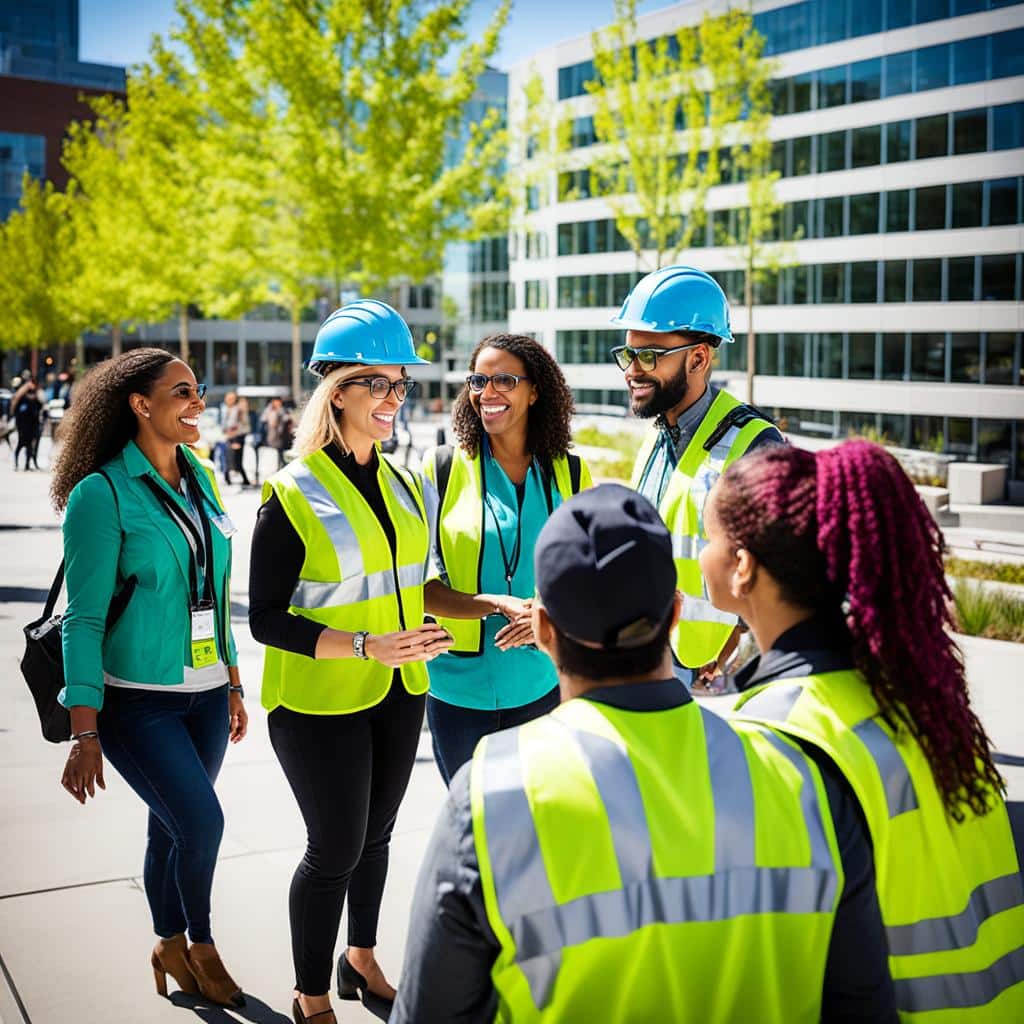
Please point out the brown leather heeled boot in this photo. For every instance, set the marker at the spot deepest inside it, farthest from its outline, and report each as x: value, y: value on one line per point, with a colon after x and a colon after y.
x: 212, y: 976
x: 170, y: 956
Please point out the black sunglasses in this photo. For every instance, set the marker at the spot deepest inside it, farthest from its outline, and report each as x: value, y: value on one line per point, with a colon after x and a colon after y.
x: 646, y: 357
x: 381, y: 387
x: 501, y: 381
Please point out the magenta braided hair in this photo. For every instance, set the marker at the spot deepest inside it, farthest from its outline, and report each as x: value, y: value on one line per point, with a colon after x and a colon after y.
x: 844, y: 530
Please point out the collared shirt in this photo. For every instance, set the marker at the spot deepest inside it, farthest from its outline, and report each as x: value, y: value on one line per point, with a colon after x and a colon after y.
x: 451, y: 946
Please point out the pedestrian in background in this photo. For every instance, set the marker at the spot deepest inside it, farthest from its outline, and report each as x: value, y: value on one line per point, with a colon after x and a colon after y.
x: 511, y: 467
x: 674, y: 320
x: 836, y: 564
x: 235, y: 427
x: 632, y: 857
x: 277, y: 421
x: 28, y: 418
x: 159, y: 696
x: 339, y: 559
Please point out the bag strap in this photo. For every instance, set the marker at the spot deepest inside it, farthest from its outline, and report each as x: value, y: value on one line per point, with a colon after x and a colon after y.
x: 575, y: 472
x: 443, y: 456
x: 738, y: 416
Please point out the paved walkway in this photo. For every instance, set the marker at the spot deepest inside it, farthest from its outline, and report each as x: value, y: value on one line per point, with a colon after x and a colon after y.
x: 74, y: 927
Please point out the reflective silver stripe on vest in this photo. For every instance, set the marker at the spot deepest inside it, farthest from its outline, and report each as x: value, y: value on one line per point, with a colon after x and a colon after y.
x: 335, y: 522
x: 400, y: 493
x: 615, y: 777
x: 960, y: 991
x: 958, y: 931
x: 688, y: 547
x: 430, y: 503
x: 520, y: 878
x: 731, y: 792
x: 899, y: 786
x: 775, y: 702
x: 821, y: 854
x: 318, y: 594
x: 696, y: 609
x: 708, y: 473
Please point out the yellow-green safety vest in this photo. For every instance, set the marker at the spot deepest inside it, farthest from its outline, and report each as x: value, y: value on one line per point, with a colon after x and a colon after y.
x: 653, y: 866
x: 460, y: 528
x: 951, y: 893
x: 349, y: 581
x: 702, y: 630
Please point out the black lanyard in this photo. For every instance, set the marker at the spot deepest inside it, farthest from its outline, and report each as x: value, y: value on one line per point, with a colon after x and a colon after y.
x: 510, y: 563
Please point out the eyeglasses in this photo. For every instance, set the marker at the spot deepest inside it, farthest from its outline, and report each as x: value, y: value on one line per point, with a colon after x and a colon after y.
x: 501, y: 381
x: 381, y: 387
x: 185, y: 391
x: 646, y: 357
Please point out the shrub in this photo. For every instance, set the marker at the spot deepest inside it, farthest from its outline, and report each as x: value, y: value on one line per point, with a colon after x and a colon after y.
x: 1002, y: 572
x: 988, y: 613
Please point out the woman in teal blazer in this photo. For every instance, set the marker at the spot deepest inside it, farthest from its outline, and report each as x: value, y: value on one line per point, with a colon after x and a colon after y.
x: 158, y: 693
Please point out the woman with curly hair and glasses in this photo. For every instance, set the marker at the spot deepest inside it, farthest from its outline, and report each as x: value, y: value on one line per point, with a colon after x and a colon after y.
x: 836, y: 565
x: 496, y: 488
x: 158, y: 693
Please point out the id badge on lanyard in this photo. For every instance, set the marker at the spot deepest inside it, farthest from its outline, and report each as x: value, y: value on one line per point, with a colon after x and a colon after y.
x: 204, y: 641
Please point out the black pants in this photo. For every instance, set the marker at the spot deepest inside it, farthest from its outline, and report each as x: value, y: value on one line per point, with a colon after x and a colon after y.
x: 349, y: 774
x: 235, y: 464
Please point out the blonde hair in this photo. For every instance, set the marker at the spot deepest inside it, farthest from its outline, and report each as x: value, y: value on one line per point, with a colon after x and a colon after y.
x: 320, y: 422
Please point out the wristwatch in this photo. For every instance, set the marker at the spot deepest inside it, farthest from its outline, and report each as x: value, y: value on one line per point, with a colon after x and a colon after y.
x: 359, y: 644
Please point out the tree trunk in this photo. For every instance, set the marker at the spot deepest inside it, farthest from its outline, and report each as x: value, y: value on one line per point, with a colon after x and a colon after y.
x: 183, y: 333
x: 80, y: 354
x: 115, y: 339
x: 296, y: 353
x: 748, y: 295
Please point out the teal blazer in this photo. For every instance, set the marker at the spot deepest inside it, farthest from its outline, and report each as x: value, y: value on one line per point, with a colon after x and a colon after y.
x: 152, y: 641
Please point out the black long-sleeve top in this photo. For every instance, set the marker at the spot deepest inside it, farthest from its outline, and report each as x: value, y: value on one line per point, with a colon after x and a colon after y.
x: 277, y: 556
x: 452, y: 947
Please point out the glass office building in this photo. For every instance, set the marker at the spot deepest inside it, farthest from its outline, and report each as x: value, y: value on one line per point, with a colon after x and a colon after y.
x: 899, y: 138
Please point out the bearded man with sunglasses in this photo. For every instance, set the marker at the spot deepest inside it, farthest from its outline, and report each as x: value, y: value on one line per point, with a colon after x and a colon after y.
x: 674, y: 320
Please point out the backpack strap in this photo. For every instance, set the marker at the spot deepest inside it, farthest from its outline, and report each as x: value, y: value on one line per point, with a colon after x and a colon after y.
x: 738, y: 416
x: 575, y: 472
x: 443, y: 456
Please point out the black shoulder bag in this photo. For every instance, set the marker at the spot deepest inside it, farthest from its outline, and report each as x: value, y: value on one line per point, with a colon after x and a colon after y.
x: 43, y: 663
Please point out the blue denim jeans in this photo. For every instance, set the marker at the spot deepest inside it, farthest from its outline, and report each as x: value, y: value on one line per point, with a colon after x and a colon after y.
x: 169, y: 747
x: 456, y: 731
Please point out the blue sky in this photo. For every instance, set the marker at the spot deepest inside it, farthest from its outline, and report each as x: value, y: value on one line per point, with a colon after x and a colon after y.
x: 118, y: 31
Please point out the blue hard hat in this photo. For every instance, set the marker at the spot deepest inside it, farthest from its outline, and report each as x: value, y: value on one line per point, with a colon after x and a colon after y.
x: 676, y: 299
x: 368, y: 332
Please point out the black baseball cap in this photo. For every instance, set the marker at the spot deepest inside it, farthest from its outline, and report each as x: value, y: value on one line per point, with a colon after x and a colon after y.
x: 603, y: 568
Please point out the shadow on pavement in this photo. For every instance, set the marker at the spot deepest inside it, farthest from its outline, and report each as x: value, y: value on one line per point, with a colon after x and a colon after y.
x: 255, y: 1010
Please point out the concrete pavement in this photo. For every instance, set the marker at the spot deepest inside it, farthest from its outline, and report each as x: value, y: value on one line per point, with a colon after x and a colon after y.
x: 75, y: 934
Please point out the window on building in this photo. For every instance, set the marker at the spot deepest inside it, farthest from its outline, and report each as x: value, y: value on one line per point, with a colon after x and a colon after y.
x: 832, y: 87
x: 998, y: 275
x: 1008, y: 126
x: 897, y: 141
x: 19, y: 155
x: 860, y: 356
x: 930, y: 208
x: 965, y: 358
x: 864, y: 281
x: 898, y: 14
x: 894, y: 356
x: 960, y: 279
x: 832, y: 216
x: 967, y: 204
x: 536, y: 294
x: 1002, y: 201
x: 832, y: 152
x: 802, y: 93
x: 897, y: 210
x: 999, y: 358
x: 768, y: 354
x: 926, y: 433
x: 895, y: 280
x: 931, y: 136
x: 828, y: 356
x: 866, y: 146
x: 801, y: 156
x: 831, y: 282
x: 794, y: 355
x: 994, y: 441
x: 970, y: 60
x: 1008, y: 54
x: 865, y: 80
x: 864, y: 214
x: 930, y: 10
x: 928, y: 357
x: 898, y: 77
x: 970, y: 130
x: 225, y: 364
x: 928, y: 280
x: 795, y: 220
x: 931, y: 70
x: 866, y: 17
x: 960, y: 436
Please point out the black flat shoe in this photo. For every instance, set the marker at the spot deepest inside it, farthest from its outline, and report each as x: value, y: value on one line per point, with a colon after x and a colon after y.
x: 352, y: 985
x: 300, y: 1018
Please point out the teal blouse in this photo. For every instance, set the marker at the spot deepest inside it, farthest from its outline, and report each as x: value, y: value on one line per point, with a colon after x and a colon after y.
x: 498, y: 679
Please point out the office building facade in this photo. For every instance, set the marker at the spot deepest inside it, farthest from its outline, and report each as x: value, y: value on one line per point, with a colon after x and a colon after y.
x: 899, y: 137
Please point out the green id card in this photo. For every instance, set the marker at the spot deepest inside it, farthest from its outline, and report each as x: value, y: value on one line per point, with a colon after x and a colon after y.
x: 204, y: 644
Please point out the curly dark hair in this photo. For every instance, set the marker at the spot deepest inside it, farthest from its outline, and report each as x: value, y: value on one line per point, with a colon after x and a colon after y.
x: 548, y: 432
x: 100, y: 422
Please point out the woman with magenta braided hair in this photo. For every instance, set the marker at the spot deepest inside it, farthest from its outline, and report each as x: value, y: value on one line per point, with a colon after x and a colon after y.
x: 836, y: 565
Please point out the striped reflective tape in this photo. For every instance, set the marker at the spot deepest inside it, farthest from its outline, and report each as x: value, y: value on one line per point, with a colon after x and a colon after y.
x: 696, y: 609
x: 774, y: 702
x: 320, y: 594
x: 900, y: 796
x: 687, y: 546
x: 960, y: 991
x: 732, y: 793
x: 334, y: 521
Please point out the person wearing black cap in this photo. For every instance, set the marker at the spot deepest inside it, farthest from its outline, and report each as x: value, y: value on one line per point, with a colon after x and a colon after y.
x: 631, y: 856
